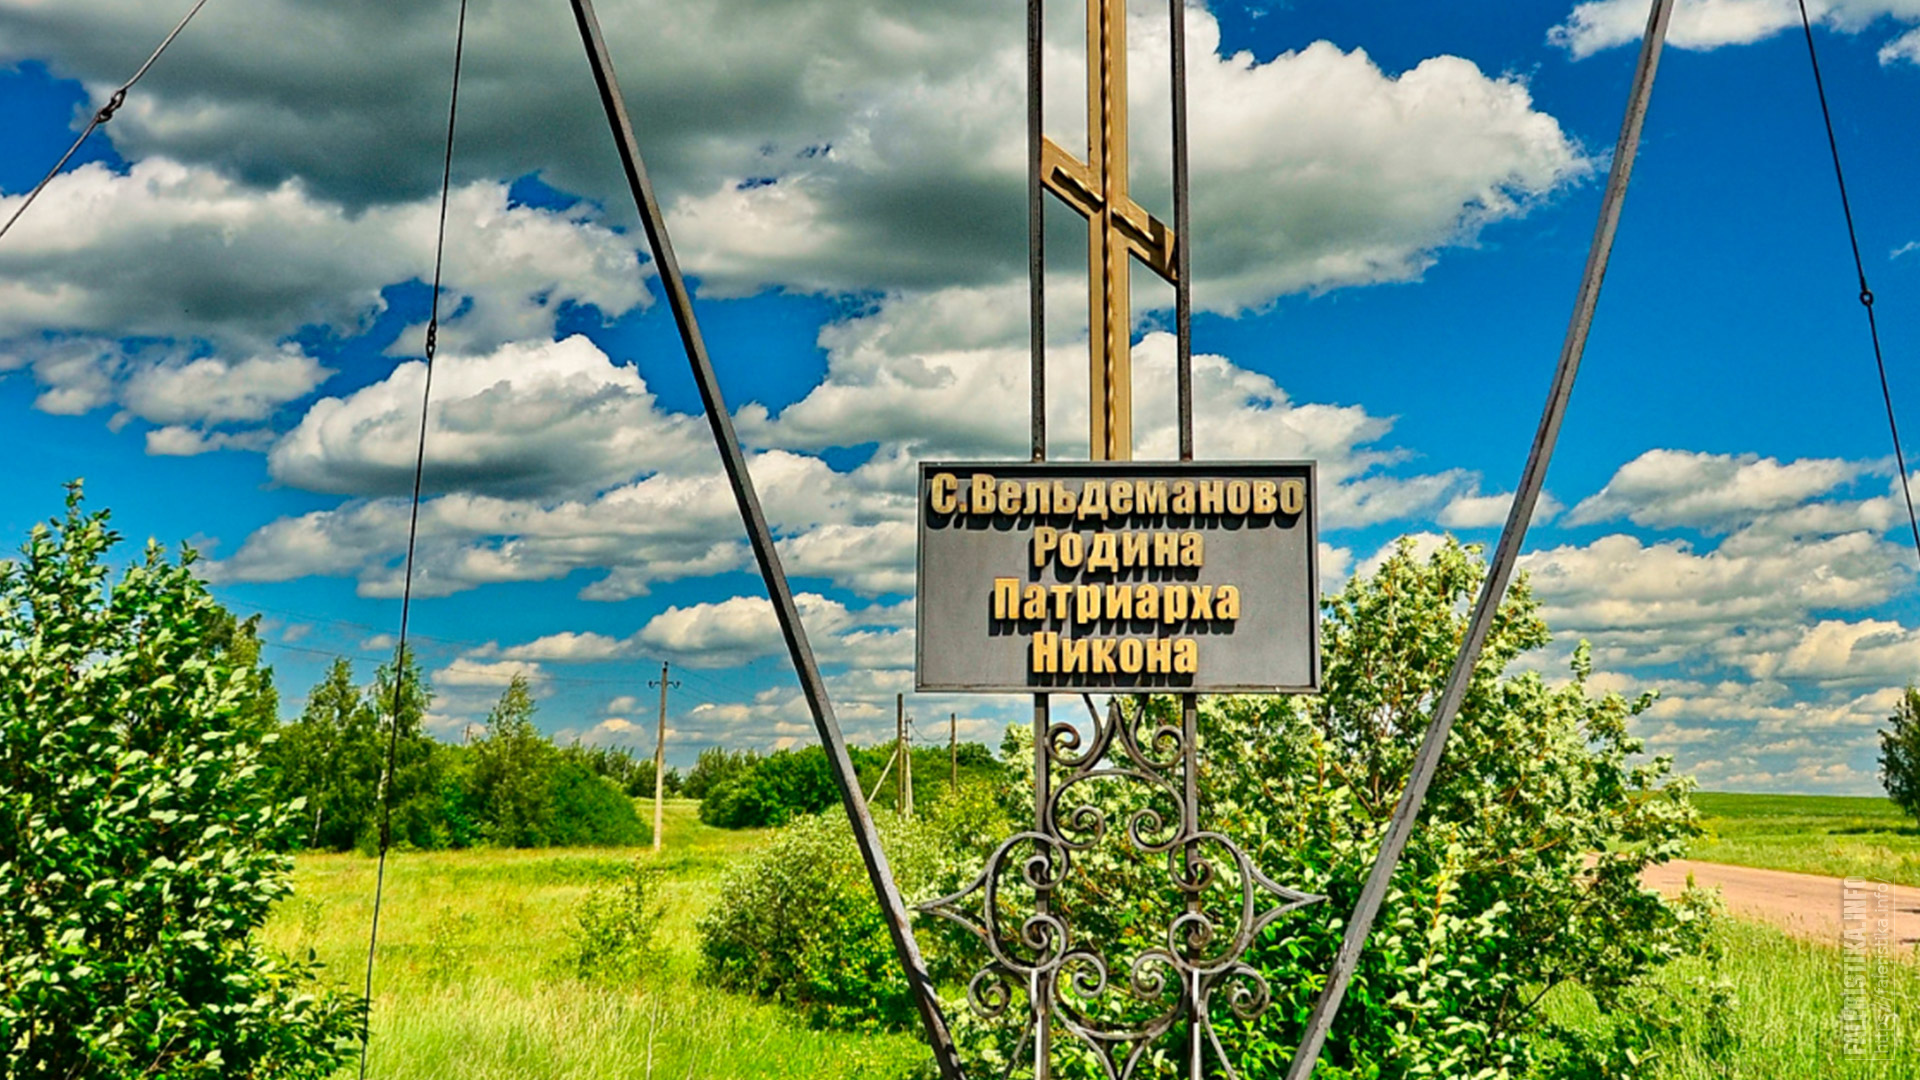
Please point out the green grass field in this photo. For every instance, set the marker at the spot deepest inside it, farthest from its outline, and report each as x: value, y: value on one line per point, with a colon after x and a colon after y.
x: 1788, y: 998
x: 471, y: 980
x: 470, y: 984
x: 1811, y: 834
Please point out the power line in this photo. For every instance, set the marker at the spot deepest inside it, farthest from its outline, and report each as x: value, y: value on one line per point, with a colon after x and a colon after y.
x: 715, y: 685
x: 105, y: 114
x: 1860, y: 269
x: 334, y: 620
x: 400, y: 657
x: 459, y: 668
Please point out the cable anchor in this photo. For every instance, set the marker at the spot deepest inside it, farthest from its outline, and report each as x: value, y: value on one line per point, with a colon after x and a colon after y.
x: 112, y: 106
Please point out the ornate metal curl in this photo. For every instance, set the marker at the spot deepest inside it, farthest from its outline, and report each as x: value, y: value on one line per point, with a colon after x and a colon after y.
x: 1072, y: 983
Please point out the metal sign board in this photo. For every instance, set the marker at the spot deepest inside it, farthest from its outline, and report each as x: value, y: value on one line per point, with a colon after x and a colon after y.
x: 1118, y: 576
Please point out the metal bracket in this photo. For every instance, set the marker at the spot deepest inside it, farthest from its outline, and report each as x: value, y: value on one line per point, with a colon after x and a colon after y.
x: 1020, y: 905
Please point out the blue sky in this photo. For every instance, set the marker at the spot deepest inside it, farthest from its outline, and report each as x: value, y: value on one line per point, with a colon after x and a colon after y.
x: 215, y: 319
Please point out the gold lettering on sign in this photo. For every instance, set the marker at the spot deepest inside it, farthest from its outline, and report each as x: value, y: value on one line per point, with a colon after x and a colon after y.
x: 943, y: 494
x: 1105, y: 502
x: 1111, y: 552
x: 1293, y: 497
x: 1116, y: 602
x: 1006, y: 597
x: 1048, y: 653
x: 1091, y: 536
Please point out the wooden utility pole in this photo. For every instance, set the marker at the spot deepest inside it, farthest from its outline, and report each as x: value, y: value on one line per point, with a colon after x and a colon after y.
x: 906, y: 764
x: 899, y: 752
x: 953, y: 751
x: 660, y: 760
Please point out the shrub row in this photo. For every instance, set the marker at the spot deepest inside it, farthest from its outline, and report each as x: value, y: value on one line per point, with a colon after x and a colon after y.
x: 511, y: 787
x: 740, y: 789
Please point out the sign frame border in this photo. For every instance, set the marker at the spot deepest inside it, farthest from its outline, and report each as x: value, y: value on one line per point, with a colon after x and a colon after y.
x: 1121, y: 470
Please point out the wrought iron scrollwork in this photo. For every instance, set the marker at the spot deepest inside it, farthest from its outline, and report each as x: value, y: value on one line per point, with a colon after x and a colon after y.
x: 1219, y: 903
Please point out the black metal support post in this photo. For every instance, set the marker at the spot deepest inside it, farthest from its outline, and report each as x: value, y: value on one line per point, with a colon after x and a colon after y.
x: 1182, y: 235
x: 1041, y: 1033
x: 761, y: 538
x: 1500, y: 573
x: 1036, y: 243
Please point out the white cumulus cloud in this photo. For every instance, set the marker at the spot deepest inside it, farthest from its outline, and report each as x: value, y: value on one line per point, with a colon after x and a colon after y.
x: 823, y: 144
x: 537, y: 417
x: 1673, y: 488
x: 1710, y: 24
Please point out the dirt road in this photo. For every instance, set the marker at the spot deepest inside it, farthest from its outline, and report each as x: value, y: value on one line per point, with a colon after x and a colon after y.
x: 1801, y: 903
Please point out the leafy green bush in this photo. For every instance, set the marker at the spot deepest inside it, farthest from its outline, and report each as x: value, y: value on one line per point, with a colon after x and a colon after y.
x: 589, y: 811
x: 799, y: 923
x: 449, y: 952
x: 137, y: 837
x: 527, y: 793
x: 772, y: 790
x: 1521, y: 880
x: 613, y: 930
x: 716, y: 766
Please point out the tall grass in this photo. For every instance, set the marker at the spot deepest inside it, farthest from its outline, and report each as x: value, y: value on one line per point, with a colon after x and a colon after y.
x: 1788, y: 998
x: 470, y: 981
x: 1789, y: 995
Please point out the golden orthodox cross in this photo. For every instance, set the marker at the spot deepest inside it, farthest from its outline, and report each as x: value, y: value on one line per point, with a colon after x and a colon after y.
x: 1117, y: 228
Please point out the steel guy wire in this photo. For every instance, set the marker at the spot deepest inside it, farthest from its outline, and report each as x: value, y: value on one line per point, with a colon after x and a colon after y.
x: 101, y: 117
x: 1860, y: 269
x: 400, y: 657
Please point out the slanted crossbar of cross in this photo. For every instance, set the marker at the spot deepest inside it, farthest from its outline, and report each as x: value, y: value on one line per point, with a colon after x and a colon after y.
x: 1118, y: 230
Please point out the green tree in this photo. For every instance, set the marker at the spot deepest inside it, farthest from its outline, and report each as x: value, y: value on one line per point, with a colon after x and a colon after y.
x: 629, y: 772
x: 512, y: 767
x: 400, y: 698
x: 331, y: 756
x: 526, y: 792
x: 1523, y: 877
x: 632, y: 775
x: 772, y: 791
x: 1900, y: 753
x: 715, y: 766
x: 138, y: 841
x: 455, y: 810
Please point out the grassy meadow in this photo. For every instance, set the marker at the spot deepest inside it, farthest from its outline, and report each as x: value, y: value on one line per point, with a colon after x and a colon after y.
x: 1838, y: 836
x: 472, y: 982
x: 1788, y: 995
